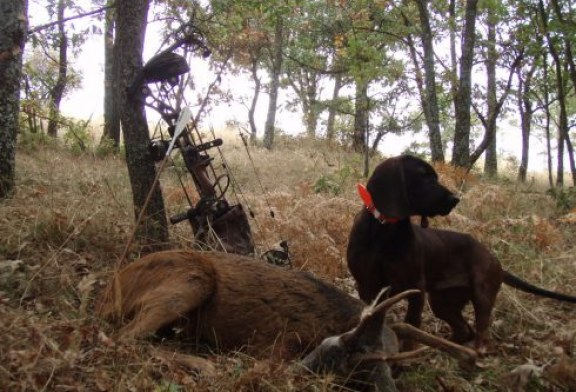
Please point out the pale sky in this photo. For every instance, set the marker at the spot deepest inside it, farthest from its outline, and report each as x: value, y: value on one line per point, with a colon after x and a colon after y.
x: 88, y: 100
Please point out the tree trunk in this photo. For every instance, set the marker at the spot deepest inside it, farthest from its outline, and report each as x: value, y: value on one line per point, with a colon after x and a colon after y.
x: 490, y: 156
x: 429, y: 99
x: 311, y: 114
x: 330, y: 131
x: 274, y: 84
x: 111, y: 115
x: 131, y: 20
x: 360, y: 135
x: 376, y: 142
x: 58, y: 90
x: 453, y: 58
x: 526, y: 111
x: 561, y: 96
x: 546, y: 105
x: 571, y: 67
x: 13, y: 32
x: 461, y: 148
x: 562, y: 116
x: 572, y: 72
x: 30, y: 110
x: 489, y: 121
x: 252, y: 109
x: 560, y: 160
x: 571, y: 160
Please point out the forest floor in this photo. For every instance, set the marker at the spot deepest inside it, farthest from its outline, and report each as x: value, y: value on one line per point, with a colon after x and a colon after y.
x: 71, y: 214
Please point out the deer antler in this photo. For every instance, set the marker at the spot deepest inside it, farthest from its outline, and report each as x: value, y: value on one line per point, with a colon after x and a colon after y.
x: 463, y: 354
x: 387, y: 304
x: 370, y: 326
x: 389, y: 358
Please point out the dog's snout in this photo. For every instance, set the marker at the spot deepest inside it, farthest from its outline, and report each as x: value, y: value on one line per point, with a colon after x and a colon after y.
x: 453, y: 200
x: 449, y: 201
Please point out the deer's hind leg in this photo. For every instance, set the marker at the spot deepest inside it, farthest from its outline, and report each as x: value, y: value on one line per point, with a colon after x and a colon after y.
x: 172, y: 299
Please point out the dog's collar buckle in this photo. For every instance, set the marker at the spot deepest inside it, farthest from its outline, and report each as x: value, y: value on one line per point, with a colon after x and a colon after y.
x: 369, y: 204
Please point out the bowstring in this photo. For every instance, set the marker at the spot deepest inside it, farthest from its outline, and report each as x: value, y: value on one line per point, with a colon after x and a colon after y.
x: 259, y: 180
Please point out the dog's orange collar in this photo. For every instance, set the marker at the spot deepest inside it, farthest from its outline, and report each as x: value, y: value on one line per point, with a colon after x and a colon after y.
x: 369, y: 204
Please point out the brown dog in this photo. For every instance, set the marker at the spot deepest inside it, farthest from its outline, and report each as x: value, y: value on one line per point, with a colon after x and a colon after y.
x: 386, y: 249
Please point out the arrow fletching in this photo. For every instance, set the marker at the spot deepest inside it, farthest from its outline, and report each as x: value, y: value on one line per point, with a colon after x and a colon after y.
x: 183, y: 119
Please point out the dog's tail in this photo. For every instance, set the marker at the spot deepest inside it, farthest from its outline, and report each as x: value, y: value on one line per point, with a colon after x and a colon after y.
x: 522, y: 285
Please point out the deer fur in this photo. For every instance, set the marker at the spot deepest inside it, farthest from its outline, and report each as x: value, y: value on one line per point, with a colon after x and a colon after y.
x: 234, y: 302
x: 228, y: 301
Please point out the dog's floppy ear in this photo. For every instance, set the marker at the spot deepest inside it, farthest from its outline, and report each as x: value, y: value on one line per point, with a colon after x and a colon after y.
x: 388, y: 189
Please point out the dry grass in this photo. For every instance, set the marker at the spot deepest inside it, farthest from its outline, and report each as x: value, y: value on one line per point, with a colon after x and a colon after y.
x: 70, y: 216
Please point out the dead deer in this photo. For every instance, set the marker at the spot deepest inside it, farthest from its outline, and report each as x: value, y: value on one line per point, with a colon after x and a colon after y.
x: 362, y: 357
x: 235, y: 302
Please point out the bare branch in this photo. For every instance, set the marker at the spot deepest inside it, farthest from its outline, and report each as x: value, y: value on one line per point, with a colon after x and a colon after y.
x: 79, y: 16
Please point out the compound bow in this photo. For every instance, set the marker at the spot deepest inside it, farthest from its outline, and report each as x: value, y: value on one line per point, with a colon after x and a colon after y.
x: 216, y: 223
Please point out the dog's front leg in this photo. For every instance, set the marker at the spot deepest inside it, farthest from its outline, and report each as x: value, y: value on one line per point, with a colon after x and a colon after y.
x: 414, y: 317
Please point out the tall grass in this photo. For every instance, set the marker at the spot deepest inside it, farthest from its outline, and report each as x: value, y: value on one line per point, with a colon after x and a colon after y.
x: 71, y: 214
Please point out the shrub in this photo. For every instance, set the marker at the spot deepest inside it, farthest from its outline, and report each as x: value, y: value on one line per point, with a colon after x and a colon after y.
x: 565, y: 198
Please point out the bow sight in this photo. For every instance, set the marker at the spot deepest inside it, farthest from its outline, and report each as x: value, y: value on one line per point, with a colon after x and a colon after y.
x: 216, y: 223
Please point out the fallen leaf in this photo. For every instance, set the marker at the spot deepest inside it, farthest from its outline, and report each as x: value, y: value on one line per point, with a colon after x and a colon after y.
x: 519, y: 377
x: 86, y: 285
x: 105, y: 339
x: 10, y: 265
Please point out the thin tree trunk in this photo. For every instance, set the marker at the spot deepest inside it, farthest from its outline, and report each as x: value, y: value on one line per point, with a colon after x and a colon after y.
x: 561, y: 94
x: 571, y: 160
x: 560, y: 160
x: 490, y: 156
x: 453, y: 57
x: 461, y: 148
x: 274, y: 84
x: 494, y: 107
x: 58, y: 90
x: 252, y: 109
x: 376, y: 142
x: 31, y: 109
x: 304, y: 83
x: 546, y: 105
x: 131, y: 21
x: 569, y: 59
x: 330, y: 131
x: 111, y: 115
x: 549, y: 153
x: 549, y: 149
x: 13, y: 32
x: 562, y: 117
x: 526, y: 111
x: 360, y: 135
x: 572, y: 73
x: 525, y: 127
x: 311, y: 116
x: 430, y: 100
x: 563, y: 131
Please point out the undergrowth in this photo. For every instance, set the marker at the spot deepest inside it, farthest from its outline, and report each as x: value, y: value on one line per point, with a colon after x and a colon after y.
x: 71, y: 214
